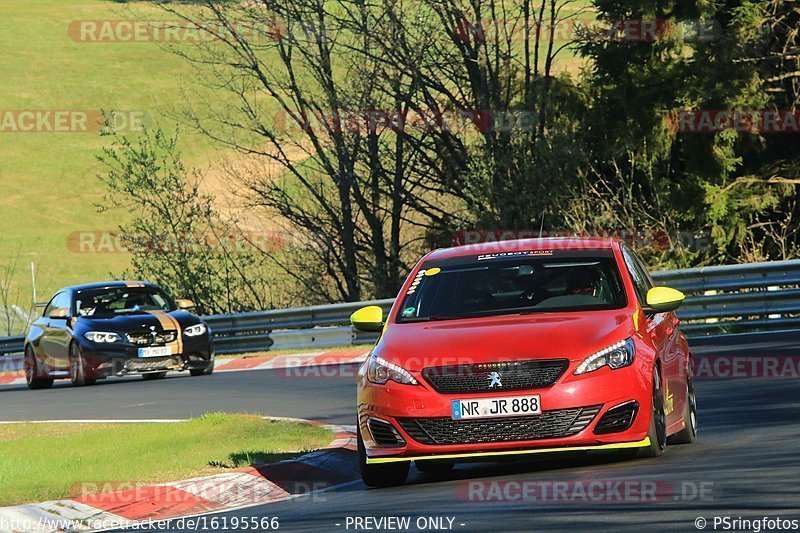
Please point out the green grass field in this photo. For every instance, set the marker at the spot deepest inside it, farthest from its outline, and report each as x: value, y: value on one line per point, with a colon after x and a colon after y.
x: 50, y: 185
x: 42, y: 462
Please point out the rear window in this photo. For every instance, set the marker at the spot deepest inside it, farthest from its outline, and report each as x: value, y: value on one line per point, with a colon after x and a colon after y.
x: 515, y: 284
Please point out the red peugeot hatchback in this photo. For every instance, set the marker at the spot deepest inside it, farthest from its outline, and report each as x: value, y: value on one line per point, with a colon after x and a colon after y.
x: 522, y: 347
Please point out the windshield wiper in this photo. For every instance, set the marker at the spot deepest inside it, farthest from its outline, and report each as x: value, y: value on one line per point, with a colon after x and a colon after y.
x: 476, y: 314
x: 428, y: 318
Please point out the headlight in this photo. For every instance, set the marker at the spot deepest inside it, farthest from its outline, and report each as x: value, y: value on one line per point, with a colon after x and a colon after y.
x: 194, y: 331
x: 101, y: 336
x: 380, y: 371
x: 617, y: 355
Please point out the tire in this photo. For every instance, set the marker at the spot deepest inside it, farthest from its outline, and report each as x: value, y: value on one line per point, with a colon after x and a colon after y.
x: 77, y: 367
x: 150, y: 376
x: 689, y: 432
x: 658, y: 421
x: 380, y: 475
x: 195, y: 372
x: 434, y: 466
x: 32, y: 372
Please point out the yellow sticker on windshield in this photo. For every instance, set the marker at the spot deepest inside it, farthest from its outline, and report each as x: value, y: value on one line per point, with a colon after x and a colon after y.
x: 433, y: 271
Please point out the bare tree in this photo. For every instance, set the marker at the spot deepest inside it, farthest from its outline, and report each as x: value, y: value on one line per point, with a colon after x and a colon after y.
x: 304, y: 92
x: 491, y: 63
x: 14, y: 318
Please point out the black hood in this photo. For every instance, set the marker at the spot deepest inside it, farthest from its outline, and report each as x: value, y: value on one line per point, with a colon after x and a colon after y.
x: 134, y: 322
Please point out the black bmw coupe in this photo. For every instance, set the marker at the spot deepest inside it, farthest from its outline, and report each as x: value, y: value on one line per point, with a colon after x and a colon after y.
x: 99, y: 330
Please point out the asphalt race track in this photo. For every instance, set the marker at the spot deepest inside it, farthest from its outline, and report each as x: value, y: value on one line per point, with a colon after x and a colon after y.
x: 279, y: 392
x: 746, y: 462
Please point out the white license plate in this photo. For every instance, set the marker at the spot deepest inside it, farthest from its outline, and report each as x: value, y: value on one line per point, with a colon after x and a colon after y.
x: 529, y: 405
x: 156, y: 351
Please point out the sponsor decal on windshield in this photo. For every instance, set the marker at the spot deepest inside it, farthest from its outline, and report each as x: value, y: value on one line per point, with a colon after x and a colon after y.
x: 526, y: 253
x: 418, y: 278
x: 415, y: 283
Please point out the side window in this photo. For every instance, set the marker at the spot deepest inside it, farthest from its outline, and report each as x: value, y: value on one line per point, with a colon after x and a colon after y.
x: 641, y: 279
x: 51, y: 306
x: 648, y: 279
x: 59, y: 301
x: 66, y: 302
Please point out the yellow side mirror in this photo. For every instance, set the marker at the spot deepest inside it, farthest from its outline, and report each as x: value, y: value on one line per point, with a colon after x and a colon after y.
x: 184, y: 304
x: 368, y: 318
x: 664, y: 299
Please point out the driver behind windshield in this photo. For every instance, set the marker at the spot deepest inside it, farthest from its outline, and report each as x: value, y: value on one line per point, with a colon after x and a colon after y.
x: 116, y: 302
x: 582, y: 281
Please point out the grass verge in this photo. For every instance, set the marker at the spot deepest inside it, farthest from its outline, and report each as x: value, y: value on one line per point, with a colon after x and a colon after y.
x: 44, y: 462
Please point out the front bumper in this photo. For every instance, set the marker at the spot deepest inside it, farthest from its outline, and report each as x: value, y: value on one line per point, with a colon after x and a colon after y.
x: 606, y: 389
x: 123, y: 359
x: 467, y: 456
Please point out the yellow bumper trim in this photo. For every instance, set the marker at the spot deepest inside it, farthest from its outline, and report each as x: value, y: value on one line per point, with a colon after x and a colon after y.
x: 616, y: 446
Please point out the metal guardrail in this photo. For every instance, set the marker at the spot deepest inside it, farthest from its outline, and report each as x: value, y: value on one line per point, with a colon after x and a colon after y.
x: 10, y: 345
x: 720, y: 300
x: 737, y: 298
x: 319, y: 326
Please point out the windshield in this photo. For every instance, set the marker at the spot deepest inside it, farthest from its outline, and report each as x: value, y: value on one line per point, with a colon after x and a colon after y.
x: 474, y: 287
x: 121, y: 300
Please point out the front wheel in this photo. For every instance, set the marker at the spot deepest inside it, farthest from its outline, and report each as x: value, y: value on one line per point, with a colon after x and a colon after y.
x: 689, y: 432
x: 380, y: 475
x: 32, y: 373
x: 77, y: 367
x: 207, y: 371
x: 658, y: 421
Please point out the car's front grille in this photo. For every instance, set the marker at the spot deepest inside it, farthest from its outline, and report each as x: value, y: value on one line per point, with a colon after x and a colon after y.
x: 151, y: 363
x: 549, y: 425
x: 618, y: 418
x: 152, y: 338
x: 384, y: 434
x: 501, y: 376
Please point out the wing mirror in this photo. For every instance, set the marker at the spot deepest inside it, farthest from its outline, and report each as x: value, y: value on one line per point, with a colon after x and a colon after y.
x: 59, y: 312
x: 664, y: 299
x: 368, y: 318
x: 184, y: 304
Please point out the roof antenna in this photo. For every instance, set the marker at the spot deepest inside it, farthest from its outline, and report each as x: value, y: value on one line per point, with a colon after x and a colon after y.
x: 541, y: 226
